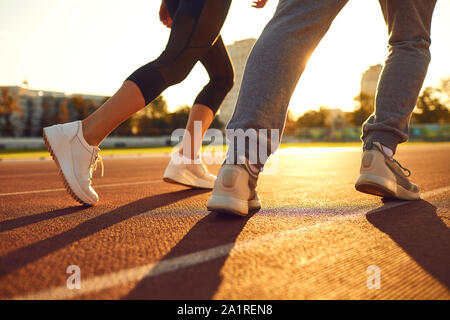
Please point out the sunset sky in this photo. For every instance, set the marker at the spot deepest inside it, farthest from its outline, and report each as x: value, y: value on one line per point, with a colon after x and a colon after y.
x: 92, y: 46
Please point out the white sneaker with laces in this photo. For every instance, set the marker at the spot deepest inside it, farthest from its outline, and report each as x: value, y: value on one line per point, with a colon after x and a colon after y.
x: 188, y: 172
x: 75, y: 158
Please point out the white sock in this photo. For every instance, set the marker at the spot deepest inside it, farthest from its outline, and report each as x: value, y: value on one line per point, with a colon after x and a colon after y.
x: 187, y: 160
x: 387, y: 151
x: 254, y: 168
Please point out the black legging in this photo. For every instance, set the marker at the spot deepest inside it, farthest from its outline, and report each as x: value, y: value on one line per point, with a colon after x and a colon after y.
x: 194, y: 37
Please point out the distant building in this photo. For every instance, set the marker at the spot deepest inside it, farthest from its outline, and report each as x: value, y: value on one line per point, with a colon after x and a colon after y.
x: 239, y: 52
x: 335, y: 118
x: 369, y: 80
x: 39, y: 108
x: 91, y: 97
x: 27, y: 121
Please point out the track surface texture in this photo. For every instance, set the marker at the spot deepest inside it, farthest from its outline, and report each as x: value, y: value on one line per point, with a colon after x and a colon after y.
x: 314, y: 237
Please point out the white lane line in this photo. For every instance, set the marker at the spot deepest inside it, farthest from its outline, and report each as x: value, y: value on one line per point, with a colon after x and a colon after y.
x: 27, y: 175
x: 96, y: 186
x: 154, y: 269
x: 105, y: 157
x: 435, y: 192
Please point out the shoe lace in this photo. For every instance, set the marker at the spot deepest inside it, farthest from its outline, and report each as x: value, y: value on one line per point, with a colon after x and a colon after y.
x: 408, y: 172
x: 98, y: 159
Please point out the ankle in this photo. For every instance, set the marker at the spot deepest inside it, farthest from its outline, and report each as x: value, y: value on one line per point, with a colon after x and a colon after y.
x: 87, y: 134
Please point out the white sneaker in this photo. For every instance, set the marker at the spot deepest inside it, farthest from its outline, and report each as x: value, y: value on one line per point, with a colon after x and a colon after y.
x: 75, y: 158
x: 235, y: 190
x: 192, y: 173
x: 383, y: 176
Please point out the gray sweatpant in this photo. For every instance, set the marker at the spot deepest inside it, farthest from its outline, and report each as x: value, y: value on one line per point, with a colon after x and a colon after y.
x: 280, y: 55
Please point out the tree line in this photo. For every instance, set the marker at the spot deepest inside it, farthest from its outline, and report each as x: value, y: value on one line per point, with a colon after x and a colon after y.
x: 433, y: 106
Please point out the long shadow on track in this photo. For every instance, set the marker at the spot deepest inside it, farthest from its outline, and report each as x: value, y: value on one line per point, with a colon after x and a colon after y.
x: 199, y: 281
x: 12, y: 224
x: 417, y: 229
x: 21, y: 257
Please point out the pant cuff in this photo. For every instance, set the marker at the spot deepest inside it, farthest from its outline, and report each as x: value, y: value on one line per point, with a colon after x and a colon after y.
x: 387, y: 139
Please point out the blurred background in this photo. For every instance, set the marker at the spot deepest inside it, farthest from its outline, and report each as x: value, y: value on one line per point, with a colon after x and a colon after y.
x: 61, y: 59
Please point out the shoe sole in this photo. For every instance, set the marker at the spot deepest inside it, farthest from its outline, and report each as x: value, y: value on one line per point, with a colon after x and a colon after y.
x: 187, y: 179
x: 382, y: 187
x: 172, y: 181
x: 233, y: 206
x: 61, y: 173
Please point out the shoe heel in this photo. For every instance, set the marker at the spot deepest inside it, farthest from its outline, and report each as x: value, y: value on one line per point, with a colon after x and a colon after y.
x: 376, y: 185
x: 227, y: 204
x: 51, y: 135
